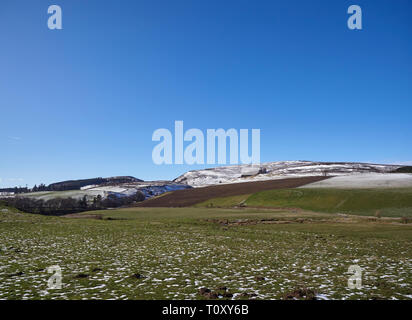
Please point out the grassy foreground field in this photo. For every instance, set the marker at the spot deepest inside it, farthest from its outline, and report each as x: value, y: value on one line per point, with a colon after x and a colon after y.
x: 267, y: 253
x: 380, y: 202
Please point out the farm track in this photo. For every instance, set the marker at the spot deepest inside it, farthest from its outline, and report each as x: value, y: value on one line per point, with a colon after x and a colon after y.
x: 189, y: 197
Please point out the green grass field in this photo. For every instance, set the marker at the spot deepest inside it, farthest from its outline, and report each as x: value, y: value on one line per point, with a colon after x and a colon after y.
x: 381, y: 202
x: 178, y: 251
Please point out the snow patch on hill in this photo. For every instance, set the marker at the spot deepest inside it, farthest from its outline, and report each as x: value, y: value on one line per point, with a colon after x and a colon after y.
x: 278, y: 170
x: 148, y: 188
x: 365, y: 180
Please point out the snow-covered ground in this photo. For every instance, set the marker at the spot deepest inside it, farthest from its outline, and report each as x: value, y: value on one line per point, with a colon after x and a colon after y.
x: 345, y: 174
x: 278, y: 170
x: 365, y: 180
x: 148, y: 188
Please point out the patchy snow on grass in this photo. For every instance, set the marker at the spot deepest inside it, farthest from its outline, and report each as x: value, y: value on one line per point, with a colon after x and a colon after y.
x: 365, y: 180
x: 278, y: 170
x: 176, y: 260
x: 149, y: 189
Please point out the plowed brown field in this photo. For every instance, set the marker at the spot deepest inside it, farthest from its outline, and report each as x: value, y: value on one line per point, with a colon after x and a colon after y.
x: 189, y: 197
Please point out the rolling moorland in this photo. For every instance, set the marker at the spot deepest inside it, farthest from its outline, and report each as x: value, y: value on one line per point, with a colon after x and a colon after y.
x: 367, y: 202
x: 171, y: 253
x: 282, y: 238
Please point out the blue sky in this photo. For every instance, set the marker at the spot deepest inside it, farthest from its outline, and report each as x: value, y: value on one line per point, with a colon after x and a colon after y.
x: 84, y: 101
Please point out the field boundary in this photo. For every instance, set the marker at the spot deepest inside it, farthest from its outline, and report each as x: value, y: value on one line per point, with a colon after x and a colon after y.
x: 190, y: 197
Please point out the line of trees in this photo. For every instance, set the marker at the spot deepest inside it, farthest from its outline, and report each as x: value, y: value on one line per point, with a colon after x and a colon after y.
x: 406, y: 169
x: 61, y: 206
x: 16, y: 190
x: 40, y: 187
x: 72, y: 184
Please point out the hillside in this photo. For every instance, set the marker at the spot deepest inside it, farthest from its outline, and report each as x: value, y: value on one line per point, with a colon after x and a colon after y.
x: 100, y: 193
x: 379, y: 202
x: 78, y: 184
x: 365, y: 181
x: 189, y: 197
x: 279, y: 170
x: 91, y: 197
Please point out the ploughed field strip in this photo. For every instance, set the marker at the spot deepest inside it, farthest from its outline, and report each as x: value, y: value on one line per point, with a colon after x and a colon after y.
x: 189, y: 197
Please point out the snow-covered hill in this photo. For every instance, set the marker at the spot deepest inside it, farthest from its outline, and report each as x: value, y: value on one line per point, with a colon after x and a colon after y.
x: 365, y: 180
x: 148, y: 188
x: 278, y: 170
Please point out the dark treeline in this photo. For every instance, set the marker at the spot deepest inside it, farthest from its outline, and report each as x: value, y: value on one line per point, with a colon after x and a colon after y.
x: 407, y: 169
x: 16, y: 190
x: 77, y: 184
x: 72, y: 184
x: 60, y: 206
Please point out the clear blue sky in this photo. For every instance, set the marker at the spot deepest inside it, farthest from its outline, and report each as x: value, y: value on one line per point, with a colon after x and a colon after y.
x: 84, y: 101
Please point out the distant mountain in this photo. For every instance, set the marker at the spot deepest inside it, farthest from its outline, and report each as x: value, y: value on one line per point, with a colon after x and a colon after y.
x: 279, y: 170
x: 78, y: 184
x: 88, y: 194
